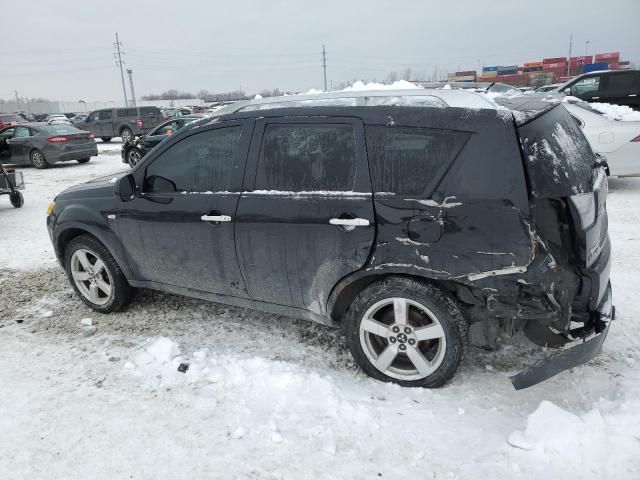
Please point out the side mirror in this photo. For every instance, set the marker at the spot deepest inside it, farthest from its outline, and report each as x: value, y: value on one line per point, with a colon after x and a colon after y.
x: 126, y: 188
x: 158, y: 184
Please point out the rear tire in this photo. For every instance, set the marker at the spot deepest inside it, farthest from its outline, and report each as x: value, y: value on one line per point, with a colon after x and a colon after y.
x: 105, y: 139
x: 406, y: 332
x: 95, y: 276
x: 38, y: 160
x: 16, y: 199
x: 83, y: 160
x: 126, y: 135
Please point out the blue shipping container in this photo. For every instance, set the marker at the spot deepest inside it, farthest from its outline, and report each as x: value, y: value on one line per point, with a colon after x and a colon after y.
x: 508, y: 68
x: 490, y: 69
x: 594, y: 67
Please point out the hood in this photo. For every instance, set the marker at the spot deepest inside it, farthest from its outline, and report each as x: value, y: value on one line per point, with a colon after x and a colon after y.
x: 98, y: 187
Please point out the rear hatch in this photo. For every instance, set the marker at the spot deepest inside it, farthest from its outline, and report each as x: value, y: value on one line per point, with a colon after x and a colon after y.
x: 562, y: 167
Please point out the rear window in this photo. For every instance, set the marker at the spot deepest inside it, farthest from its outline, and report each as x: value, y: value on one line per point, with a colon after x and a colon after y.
x: 406, y: 161
x: 311, y: 157
x: 58, y: 129
x: 127, y: 112
x: 558, y: 157
x: 11, y: 118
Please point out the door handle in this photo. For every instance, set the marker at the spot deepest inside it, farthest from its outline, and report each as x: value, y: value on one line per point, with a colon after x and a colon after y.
x: 595, y: 98
x: 633, y: 94
x: 350, y: 222
x: 215, y: 218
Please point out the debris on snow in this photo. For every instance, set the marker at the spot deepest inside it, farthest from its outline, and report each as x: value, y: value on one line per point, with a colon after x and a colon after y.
x: 87, y: 322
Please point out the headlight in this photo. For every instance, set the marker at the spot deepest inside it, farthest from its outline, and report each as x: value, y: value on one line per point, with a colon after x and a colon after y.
x: 51, y: 208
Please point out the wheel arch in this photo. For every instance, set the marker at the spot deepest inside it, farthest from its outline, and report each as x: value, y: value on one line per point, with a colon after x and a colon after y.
x: 344, y: 293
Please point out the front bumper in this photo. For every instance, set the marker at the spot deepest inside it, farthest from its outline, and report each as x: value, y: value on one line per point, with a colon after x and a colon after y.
x: 572, y: 356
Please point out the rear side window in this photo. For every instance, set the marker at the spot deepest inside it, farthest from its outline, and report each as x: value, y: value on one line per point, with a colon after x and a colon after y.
x: 127, y: 112
x: 406, y: 161
x: 621, y: 81
x: 307, y: 157
x: 149, y: 111
x: 204, y: 162
x: 559, y: 159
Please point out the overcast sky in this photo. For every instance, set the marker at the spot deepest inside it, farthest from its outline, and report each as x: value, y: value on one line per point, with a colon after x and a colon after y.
x: 63, y: 50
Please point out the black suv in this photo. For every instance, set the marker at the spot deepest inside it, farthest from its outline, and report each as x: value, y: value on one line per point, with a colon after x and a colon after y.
x: 405, y: 225
x: 620, y: 87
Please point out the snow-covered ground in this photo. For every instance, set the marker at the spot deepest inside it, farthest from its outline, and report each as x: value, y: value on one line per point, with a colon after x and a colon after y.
x: 84, y: 395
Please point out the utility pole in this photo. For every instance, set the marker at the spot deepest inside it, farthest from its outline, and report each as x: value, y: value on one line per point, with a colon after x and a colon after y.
x: 586, y: 47
x: 133, y: 92
x: 569, y: 59
x: 119, y: 62
x: 324, y: 66
x: 17, y: 100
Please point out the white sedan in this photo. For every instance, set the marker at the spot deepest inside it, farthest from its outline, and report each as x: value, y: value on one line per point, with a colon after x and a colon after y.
x: 58, y: 120
x: 618, y: 140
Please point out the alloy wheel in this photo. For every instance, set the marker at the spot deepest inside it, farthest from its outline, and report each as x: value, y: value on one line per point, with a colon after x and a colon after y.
x: 91, y: 276
x: 133, y: 157
x: 402, y: 338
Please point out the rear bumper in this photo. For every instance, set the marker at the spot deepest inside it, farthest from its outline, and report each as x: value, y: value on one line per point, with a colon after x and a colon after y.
x: 71, y: 152
x: 573, y: 356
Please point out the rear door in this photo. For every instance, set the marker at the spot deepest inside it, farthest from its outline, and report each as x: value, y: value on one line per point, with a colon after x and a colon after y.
x: 588, y: 88
x: 21, y: 145
x: 307, y: 219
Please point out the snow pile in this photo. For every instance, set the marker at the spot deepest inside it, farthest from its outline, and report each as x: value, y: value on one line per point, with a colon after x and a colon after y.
x: 397, y: 85
x: 620, y: 113
x: 588, y: 445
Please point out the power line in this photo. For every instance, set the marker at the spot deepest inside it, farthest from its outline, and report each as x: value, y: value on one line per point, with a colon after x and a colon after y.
x: 119, y: 62
x: 324, y: 66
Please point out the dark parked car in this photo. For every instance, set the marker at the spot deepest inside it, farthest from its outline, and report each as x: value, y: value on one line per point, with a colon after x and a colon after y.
x: 133, y: 151
x: 41, y: 144
x: 620, y: 87
x: 125, y: 123
x: 406, y: 225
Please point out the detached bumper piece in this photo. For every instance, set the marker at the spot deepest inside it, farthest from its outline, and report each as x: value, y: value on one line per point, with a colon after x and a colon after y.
x: 572, y: 357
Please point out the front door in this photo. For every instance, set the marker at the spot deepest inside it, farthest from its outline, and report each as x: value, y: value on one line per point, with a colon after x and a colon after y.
x: 179, y: 229
x: 20, y: 145
x: 307, y: 220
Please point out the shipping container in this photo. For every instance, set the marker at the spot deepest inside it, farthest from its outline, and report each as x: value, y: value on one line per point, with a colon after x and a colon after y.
x: 465, y: 73
x: 465, y: 78
x: 537, y: 68
x: 552, y: 66
x: 490, y: 69
x: 508, y: 68
x: 554, y: 60
x: 595, y: 67
x: 532, y: 64
x: 583, y: 60
x: 602, y: 57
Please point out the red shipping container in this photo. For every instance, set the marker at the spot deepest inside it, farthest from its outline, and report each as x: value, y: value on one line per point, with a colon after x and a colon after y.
x: 551, y: 66
x: 583, y: 60
x: 603, y: 57
x: 554, y: 60
x: 614, y: 66
x: 465, y: 73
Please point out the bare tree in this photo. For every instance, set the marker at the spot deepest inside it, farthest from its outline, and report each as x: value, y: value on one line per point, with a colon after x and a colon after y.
x: 392, y: 77
x: 407, y: 74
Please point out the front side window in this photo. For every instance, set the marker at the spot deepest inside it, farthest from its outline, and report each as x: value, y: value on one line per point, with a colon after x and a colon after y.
x: 586, y: 85
x: 94, y: 117
x: 8, y: 133
x: 405, y: 160
x: 168, y: 129
x: 204, y: 162
x: 22, y: 132
x: 307, y: 157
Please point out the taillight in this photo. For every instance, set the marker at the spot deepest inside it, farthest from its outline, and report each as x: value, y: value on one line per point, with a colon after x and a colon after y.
x: 59, y: 139
x: 139, y: 122
x: 637, y: 139
x: 91, y: 136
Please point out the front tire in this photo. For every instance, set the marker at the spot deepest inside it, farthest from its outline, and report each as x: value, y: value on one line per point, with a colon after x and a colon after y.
x: 406, y: 332
x: 38, y: 160
x: 95, y: 276
x: 126, y: 135
x: 133, y: 157
x: 83, y: 160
